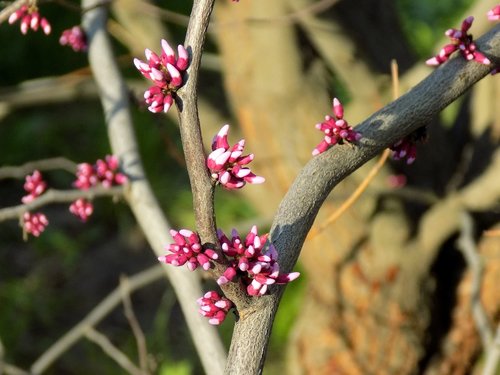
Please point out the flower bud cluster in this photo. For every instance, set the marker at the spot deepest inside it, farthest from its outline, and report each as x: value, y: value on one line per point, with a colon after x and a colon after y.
x: 336, y: 130
x: 35, y: 186
x: 34, y: 223
x: 75, y: 38
x: 30, y: 19
x: 187, y: 250
x: 82, y: 209
x: 227, y: 164
x: 460, y: 41
x: 166, y: 72
x: 407, y: 147
x: 256, y: 267
x: 103, y: 172
x: 494, y: 14
x: 214, y: 307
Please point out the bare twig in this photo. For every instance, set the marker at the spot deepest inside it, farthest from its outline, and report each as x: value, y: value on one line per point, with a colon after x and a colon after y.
x: 112, y: 351
x: 21, y: 171
x: 468, y: 248
x: 59, y: 196
x: 134, y: 324
x: 98, y: 313
x: 493, y: 355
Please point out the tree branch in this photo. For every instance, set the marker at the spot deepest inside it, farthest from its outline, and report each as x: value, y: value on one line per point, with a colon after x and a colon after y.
x: 320, y: 175
x: 42, y: 165
x: 114, y: 97
x: 59, y: 196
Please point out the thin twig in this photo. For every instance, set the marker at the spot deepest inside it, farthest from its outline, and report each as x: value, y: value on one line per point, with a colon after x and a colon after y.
x: 493, y: 355
x: 468, y: 248
x: 112, y: 351
x: 134, y: 324
x: 59, y: 196
x: 98, y: 313
x: 8, y: 10
x: 21, y: 171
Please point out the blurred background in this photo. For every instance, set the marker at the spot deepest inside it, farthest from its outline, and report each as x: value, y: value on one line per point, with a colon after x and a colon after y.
x: 385, y: 289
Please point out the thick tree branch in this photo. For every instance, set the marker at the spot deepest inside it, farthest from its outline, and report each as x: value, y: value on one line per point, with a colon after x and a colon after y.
x: 114, y: 97
x: 300, y: 206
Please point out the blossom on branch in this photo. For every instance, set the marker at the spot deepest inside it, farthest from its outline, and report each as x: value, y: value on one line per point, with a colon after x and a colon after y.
x: 34, y: 223
x: 227, y: 164
x: 407, y: 147
x: 494, y: 14
x: 104, y: 172
x: 166, y: 72
x: 30, y: 19
x: 336, y: 130
x: 188, y: 250
x: 35, y: 186
x: 81, y: 208
x: 460, y: 41
x: 256, y: 267
x: 214, y: 307
x: 75, y: 38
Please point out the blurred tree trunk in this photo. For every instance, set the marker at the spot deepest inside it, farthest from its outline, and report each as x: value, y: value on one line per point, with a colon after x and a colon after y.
x: 383, y: 278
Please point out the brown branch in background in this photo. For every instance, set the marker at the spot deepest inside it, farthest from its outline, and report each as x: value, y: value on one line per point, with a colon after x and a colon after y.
x: 59, y: 196
x: 134, y: 324
x: 468, y: 248
x: 97, y: 314
x: 8, y: 10
x: 112, y: 351
x: 21, y: 171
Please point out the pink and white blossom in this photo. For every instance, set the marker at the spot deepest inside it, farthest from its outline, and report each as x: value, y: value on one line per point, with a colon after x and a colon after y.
x: 227, y: 164
x: 460, y: 41
x: 34, y: 223
x: 34, y: 186
x: 494, y: 14
x: 166, y: 72
x: 105, y: 172
x: 252, y: 262
x: 188, y: 250
x: 81, y: 208
x: 214, y: 307
x: 75, y: 38
x: 336, y: 130
x: 30, y: 19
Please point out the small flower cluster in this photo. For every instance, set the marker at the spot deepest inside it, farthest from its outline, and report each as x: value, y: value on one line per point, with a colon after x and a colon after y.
x: 166, y: 73
x: 187, y: 250
x: 75, y: 38
x: 336, y: 130
x: 82, y: 209
x: 34, y: 186
x: 104, y: 172
x: 227, y: 164
x: 30, y: 19
x: 460, y: 41
x: 494, y: 14
x: 248, y: 261
x: 34, y: 223
x: 407, y: 147
x: 214, y: 307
